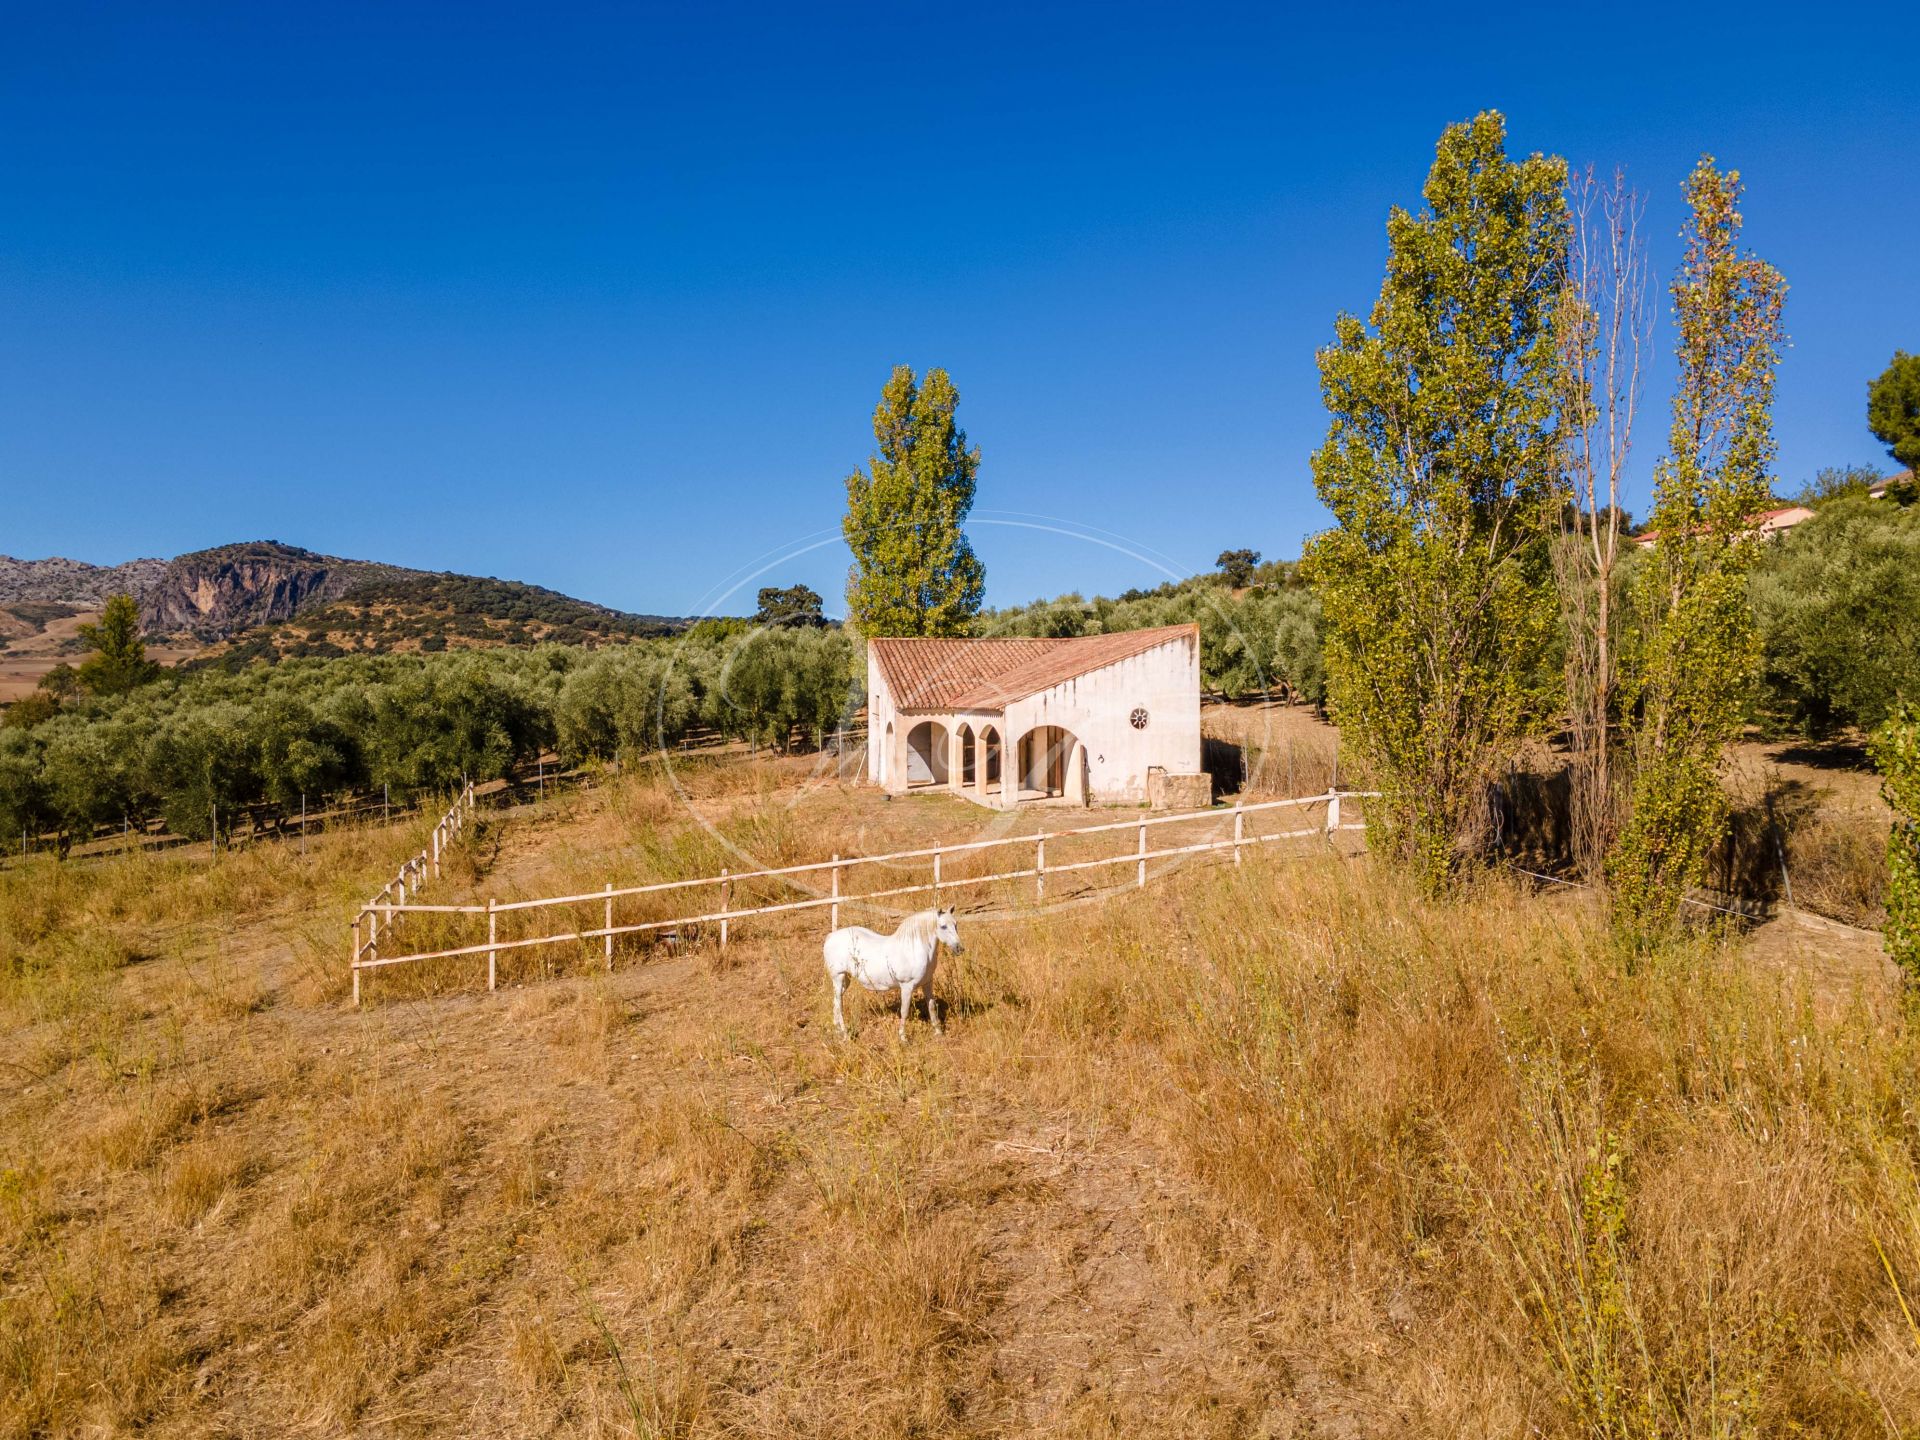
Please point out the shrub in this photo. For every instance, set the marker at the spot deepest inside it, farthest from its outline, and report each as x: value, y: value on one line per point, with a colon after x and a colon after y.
x: 1896, y: 750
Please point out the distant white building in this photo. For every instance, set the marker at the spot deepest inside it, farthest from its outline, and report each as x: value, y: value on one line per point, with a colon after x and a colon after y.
x: 1003, y: 721
x: 1765, y: 523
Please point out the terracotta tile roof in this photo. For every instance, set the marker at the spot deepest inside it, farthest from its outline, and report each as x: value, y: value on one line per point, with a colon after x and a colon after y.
x: 991, y: 674
x: 1759, y: 519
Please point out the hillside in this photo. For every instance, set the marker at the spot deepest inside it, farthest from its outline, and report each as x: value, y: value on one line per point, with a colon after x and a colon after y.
x: 410, y: 610
x: 73, y: 582
x: 213, y: 594
x: 263, y: 597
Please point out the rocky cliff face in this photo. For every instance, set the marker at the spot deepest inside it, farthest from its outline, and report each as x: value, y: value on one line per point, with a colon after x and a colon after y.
x: 211, y: 594
x: 214, y: 595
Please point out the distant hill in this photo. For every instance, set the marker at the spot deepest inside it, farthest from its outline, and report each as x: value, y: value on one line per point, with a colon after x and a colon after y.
x: 73, y: 582
x: 264, y: 596
x: 416, y: 611
x: 213, y: 594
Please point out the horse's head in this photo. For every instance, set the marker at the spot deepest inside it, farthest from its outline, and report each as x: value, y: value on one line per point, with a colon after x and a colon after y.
x: 945, y: 930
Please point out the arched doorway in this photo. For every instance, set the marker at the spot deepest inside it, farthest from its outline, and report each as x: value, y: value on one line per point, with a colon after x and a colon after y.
x: 966, y: 755
x: 988, y: 766
x: 1053, y: 763
x: 927, y: 754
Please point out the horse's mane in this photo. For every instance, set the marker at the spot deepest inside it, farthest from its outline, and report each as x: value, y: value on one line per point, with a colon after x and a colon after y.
x: 920, y: 925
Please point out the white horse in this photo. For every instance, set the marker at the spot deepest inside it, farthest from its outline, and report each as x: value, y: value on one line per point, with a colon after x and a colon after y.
x: 902, y: 960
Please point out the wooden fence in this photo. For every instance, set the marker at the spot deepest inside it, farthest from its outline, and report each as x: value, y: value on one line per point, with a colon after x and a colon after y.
x: 366, y: 956
x: 413, y: 874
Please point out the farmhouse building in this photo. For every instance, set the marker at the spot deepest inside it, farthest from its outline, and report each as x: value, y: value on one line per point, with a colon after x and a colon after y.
x: 1097, y: 718
x: 1765, y: 523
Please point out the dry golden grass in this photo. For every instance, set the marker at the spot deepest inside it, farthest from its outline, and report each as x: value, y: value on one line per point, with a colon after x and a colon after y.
x: 1279, y: 1150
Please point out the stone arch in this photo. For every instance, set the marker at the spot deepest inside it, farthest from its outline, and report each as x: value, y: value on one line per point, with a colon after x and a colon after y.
x: 988, y: 767
x: 927, y: 754
x: 1053, y: 763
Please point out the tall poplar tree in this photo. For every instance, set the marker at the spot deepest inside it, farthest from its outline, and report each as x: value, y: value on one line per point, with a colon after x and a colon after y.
x: 1440, y: 467
x: 914, y: 571
x: 1697, y: 647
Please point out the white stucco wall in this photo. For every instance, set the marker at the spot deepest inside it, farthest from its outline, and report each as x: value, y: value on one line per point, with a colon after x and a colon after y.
x: 1164, y: 681
x: 1096, y: 708
x: 880, y: 713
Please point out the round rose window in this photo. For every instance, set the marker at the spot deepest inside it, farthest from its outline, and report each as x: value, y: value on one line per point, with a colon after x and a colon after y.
x: 1139, y: 718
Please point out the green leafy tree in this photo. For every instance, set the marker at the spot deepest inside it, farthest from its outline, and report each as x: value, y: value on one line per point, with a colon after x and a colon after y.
x: 1896, y: 750
x: 24, y: 812
x: 1440, y: 468
x: 85, y: 772
x: 1893, y: 409
x: 791, y: 606
x: 202, y: 761
x: 1837, y: 601
x: 1060, y: 618
x: 433, y: 726
x: 298, y: 753
x: 1836, y: 482
x: 1238, y: 566
x: 30, y: 710
x: 119, y: 660
x: 62, y: 682
x: 914, y: 571
x: 624, y: 704
x: 1696, y: 651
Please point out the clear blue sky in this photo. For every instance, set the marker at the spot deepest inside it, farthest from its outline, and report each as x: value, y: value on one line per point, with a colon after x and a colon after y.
x: 602, y: 297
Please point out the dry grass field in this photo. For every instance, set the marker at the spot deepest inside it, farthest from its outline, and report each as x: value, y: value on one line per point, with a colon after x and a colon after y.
x: 28, y: 652
x: 1279, y: 1150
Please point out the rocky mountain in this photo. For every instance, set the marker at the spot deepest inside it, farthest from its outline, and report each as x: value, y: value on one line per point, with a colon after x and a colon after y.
x: 73, y: 582
x: 212, y: 594
x: 263, y: 598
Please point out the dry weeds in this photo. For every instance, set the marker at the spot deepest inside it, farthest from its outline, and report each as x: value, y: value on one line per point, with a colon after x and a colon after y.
x: 1278, y: 1150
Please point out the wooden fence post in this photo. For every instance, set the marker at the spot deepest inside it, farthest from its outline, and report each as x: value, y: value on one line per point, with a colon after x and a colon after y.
x: 493, y: 935
x: 1239, y: 830
x: 1040, y: 868
x: 835, y: 909
x: 436, y: 852
x: 355, y: 952
x: 609, y: 924
x: 936, y: 879
x: 1143, y: 854
x: 726, y: 904
x: 1333, y: 814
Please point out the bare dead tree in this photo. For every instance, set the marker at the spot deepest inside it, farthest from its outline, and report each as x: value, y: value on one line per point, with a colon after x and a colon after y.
x: 1605, y: 330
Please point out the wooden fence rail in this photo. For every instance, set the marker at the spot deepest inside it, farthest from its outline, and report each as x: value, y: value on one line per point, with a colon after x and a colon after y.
x: 366, y: 955
x: 413, y: 874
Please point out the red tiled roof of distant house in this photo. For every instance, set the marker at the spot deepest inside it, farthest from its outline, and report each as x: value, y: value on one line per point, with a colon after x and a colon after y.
x: 1765, y: 522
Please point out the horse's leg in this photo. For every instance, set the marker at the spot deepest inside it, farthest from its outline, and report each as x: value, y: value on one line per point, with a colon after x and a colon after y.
x: 933, y: 1001
x: 839, y: 1019
x: 906, y: 1002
